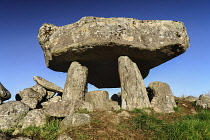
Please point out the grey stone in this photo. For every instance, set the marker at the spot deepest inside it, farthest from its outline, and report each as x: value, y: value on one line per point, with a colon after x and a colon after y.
x: 21, y: 138
x: 203, y: 101
x: 50, y: 94
x: 62, y: 108
x: 50, y: 101
x: 86, y: 105
x: 100, y: 100
x: 36, y: 117
x: 42, y: 91
x: 64, y: 137
x: 98, y: 42
x: 11, y: 113
x: 76, y: 82
x: 75, y: 119
x: 134, y: 94
x: 48, y: 85
x: 190, y: 98
x: 161, y: 96
x: 124, y: 114
x: 29, y: 97
x: 4, y: 93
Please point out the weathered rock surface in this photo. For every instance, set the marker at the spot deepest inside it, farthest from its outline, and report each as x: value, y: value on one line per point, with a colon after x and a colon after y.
x: 42, y: 91
x: 162, y: 99
x: 64, y: 137
x: 21, y: 138
x: 86, y: 105
x: 75, y: 119
x: 98, y: 42
x: 76, y: 82
x: 29, y: 97
x: 190, y: 98
x: 134, y: 94
x: 51, y: 101
x: 62, y: 108
x: 4, y: 94
x: 50, y: 94
x: 36, y: 117
x: 204, y: 101
x: 11, y: 113
x: 48, y: 85
x: 124, y: 114
x: 100, y: 100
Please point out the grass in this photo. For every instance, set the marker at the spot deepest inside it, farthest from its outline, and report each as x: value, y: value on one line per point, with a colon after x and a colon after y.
x: 189, y: 127
x: 47, y: 132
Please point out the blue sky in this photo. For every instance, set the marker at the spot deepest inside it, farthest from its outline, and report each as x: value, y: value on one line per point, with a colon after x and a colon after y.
x: 21, y: 56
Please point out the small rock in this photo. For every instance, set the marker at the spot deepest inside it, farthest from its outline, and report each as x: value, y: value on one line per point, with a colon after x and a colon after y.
x: 21, y: 138
x: 48, y: 85
x: 11, y: 113
x: 4, y: 94
x: 42, y: 91
x: 162, y: 99
x: 75, y: 119
x: 29, y: 97
x: 100, y: 100
x: 50, y: 94
x: 50, y: 101
x: 203, y: 101
x: 86, y: 105
x: 190, y: 99
x: 62, y: 108
x: 34, y: 117
x: 64, y: 137
x: 124, y: 114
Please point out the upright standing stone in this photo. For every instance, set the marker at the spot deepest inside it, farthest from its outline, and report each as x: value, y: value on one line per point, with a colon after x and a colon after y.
x: 134, y: 94
x: 76, y: 82
x: 162, y: 99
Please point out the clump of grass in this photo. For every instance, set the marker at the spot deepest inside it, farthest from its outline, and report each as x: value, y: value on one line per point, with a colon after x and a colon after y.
x: 48, y: 132
x: 83, y: 111
x: 8, y: 132
x: 178, y: 108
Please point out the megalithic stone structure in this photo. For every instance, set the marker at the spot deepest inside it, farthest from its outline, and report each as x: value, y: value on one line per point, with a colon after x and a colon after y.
x: 76, y: 82
x: 134, y: 94
x: 97, y: 43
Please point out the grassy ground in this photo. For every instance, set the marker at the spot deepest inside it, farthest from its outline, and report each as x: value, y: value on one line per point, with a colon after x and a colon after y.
x: 184, y: 124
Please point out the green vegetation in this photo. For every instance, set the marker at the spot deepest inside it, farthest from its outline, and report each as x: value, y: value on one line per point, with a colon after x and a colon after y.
x: 47, y: 132
x: 188, y: 127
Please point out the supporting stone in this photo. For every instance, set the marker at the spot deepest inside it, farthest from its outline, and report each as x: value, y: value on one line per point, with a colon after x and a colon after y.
x: 134, y: 94
x: 76, y: 82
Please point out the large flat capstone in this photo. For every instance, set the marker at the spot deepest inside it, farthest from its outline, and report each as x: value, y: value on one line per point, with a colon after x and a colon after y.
x: 98, y: 42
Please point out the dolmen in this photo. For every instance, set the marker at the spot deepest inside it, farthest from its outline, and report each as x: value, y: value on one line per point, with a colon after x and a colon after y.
x: 111, y: 53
